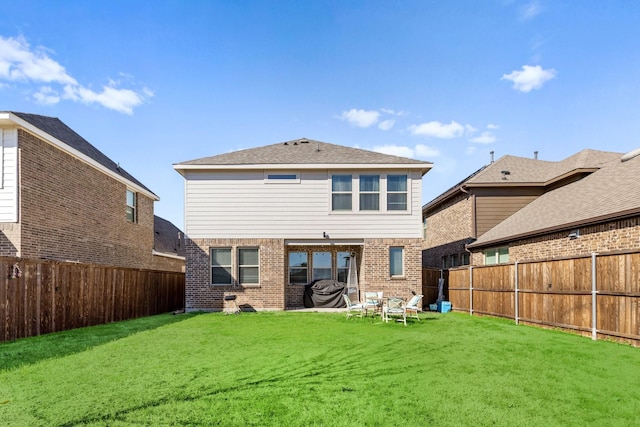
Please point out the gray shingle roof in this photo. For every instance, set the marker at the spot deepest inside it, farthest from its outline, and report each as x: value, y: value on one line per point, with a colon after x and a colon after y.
x: 610, y: 192
x: 532, y: 171
x: 304, y: 152
x: 57, y: 129
x: 168, y: 238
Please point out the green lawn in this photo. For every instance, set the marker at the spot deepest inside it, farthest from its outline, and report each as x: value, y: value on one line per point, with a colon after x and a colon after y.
x: 305, y: 369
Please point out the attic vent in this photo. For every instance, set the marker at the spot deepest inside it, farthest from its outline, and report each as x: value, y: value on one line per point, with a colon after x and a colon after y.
x: 630, y: 155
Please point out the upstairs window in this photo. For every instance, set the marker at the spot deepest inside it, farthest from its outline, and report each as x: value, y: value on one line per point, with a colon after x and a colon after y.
x: 341, y: 196
x: 369, y: 192
x: 281, y: 177
x: 131, y: 206
x: 397, y: 192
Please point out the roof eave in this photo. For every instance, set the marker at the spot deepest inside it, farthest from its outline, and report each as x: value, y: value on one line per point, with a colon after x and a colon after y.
x: 567, y: 226
x: 423, y: 167
x: 10, y: 118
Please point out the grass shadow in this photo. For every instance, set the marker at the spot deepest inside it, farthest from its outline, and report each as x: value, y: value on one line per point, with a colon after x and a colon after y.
x: 27, y: 351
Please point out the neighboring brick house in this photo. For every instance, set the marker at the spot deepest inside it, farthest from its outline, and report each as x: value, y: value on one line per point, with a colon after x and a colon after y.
x: 599, y: 213
x: 262, y: 223
x: 463, y: 214
x: 62, y: 199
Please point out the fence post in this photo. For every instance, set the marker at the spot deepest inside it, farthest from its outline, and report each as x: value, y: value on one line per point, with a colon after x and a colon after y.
x: 471, y: 290
x: 594, y: 292
x: 516, y: 293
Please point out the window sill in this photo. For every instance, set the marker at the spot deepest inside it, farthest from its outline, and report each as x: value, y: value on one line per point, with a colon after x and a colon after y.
x: 397, y: 278
x: 252, y: 286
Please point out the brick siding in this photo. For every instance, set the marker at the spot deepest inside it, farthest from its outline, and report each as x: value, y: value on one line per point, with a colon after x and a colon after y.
x: 448, y: 230
x: 72, y: 211
x: 275, y: 292
x: 611, y: 236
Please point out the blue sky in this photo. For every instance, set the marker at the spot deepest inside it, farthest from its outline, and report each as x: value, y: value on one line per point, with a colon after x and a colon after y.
x: 152, y: 83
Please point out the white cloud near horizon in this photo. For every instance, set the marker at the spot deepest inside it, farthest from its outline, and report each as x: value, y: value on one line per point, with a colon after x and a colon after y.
x: 438, y: 130
x: 361, y: 118
x: 420, y: 151
x: 22, y: 64
x: 531, y: 77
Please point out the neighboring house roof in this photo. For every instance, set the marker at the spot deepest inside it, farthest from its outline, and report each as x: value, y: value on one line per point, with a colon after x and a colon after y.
x: 610, y: 193
x: 168, y: 239
x: 522, y: 171
x: 303, y: 153
x: 55, y: 128
x: 510, y: 171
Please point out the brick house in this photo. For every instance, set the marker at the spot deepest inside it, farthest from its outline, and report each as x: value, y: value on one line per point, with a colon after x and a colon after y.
x: 598, y: 213
x: 471, y: 208
x: 262, y: 223
x: 62, y: 199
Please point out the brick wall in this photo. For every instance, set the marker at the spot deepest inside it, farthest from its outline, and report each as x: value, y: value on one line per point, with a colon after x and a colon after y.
x: 201, y: 295
x: 274, y: 292
x: 448, y: 230
x: 607, y: 237
x: 71, y: 211
x: 163, y: 263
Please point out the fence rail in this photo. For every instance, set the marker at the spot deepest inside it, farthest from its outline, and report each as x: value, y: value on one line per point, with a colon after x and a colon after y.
x: 597, y: 295
x: 38, y: 297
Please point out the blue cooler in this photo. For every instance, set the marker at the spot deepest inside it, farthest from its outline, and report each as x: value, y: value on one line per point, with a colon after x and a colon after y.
x: 444, y: 306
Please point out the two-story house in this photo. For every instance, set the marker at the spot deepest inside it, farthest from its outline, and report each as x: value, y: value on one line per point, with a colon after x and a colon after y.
x: 463, y: 214
x: 263, y: 222
x: 62, y: 199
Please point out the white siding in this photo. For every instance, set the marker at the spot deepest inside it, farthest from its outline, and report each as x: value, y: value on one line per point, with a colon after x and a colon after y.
x: 9, y: 183
x: 243, y: 205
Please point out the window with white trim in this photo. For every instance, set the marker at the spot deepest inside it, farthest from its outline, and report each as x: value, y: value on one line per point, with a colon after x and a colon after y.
x: 396, y: 261
x: 342, y: 264
x: 221, y: 266
x: 396, y: 192
x: 369, y: 192
x: 248, y: 266
x: 131, y: 206
x: 321, y: 264
x: 298, y: 268
x: 496, y: 256
x: 341, y: 193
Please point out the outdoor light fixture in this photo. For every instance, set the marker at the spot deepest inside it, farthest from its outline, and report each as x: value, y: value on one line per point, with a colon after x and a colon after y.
x: 325, y: 235
x: 574, y: 234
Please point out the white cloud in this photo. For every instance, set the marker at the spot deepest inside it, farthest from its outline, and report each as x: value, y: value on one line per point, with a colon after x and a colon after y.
x: 360, y: 118
x: 484, y: 138
x: 492, y: 126
x: 530, y: 10
x: 387, y: 124
x: 471, y: 150
x: 46, y: 96
x: 530, y: 77
x: 420, y: 151
x: 438, y: 130
x: 19, y: 63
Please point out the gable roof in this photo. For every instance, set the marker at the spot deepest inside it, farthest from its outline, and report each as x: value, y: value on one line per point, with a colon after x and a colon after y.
x: 609, y: 193
x: 54, y: 127
x: 302, y: 153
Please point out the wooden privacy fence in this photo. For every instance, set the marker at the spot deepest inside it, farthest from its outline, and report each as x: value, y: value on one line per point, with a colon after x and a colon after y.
x: 38, y: 297
x: 597, y: 295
